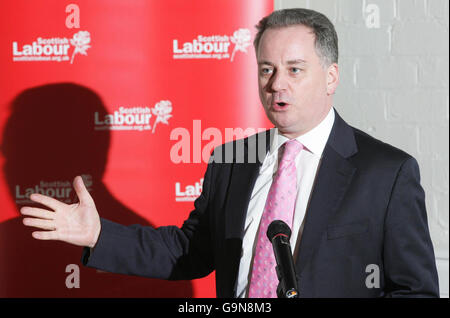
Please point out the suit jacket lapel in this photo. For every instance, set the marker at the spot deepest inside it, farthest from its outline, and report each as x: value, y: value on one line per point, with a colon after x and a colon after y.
x: 243, y: 177
x: 333, y: 179
x: 244, y: 173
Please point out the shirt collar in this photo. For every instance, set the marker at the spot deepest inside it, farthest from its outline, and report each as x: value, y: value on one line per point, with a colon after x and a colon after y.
x: 314, y: 140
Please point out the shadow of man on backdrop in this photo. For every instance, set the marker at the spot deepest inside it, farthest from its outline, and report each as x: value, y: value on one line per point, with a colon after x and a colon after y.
x: 48, y: 140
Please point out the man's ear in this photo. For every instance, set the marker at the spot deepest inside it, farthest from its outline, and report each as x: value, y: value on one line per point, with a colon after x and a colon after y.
x: 332, y: 78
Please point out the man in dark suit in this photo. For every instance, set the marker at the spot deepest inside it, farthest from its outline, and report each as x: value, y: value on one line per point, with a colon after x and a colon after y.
x: 355, y: 204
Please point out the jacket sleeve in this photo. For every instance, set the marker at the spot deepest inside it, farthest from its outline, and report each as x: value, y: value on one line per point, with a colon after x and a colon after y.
x: 166, y: 252
x: 410, y: 267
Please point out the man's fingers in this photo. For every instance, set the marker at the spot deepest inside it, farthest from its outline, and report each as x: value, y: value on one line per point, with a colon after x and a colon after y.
x: 39, y: 223
x: 47, y: 201
x: 37, y: 212
x: 82, y: 192
x: 45, y: 235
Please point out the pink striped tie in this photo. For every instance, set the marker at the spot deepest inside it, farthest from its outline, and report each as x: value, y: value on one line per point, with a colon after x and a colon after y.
x: 280, y: 205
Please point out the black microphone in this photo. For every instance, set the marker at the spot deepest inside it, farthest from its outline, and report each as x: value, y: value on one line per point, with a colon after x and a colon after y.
x: 279, y: 234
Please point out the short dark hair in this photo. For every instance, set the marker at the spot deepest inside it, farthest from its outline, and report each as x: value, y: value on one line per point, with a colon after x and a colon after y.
x: 326, y: 40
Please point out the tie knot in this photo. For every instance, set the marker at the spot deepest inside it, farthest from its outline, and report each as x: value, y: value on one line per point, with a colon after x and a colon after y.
x: 291, y: 149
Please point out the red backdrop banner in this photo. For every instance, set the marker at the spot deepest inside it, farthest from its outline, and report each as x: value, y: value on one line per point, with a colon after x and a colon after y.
x: 133, y: 96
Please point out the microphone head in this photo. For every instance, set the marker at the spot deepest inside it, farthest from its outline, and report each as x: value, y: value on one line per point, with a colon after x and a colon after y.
x: 278, y: 227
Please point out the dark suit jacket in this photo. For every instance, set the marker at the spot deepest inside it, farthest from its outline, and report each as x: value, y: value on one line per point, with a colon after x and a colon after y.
x: 366, y: 207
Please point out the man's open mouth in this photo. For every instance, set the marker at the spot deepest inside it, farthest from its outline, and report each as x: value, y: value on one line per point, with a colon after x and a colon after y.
x: 279, y: 106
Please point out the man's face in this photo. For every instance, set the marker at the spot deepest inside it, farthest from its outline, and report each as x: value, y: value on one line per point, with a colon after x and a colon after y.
x: 295, y: 89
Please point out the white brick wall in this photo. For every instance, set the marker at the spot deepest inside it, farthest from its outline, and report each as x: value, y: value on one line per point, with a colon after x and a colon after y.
x: 394, y: 85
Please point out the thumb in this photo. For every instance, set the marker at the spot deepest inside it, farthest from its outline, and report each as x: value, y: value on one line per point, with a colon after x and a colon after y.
x: 82, y: 193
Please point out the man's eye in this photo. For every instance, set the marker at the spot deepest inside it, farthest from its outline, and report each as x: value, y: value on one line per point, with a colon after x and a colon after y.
x: 266, y: 71
x: 295, y: 70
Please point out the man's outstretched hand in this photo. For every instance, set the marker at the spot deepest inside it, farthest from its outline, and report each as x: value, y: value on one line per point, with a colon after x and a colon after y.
x: 77, y: 223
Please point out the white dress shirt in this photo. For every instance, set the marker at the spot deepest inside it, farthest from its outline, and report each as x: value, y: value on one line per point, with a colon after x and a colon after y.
x: 307, y: 163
